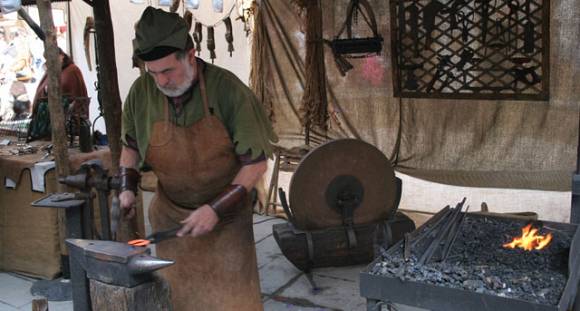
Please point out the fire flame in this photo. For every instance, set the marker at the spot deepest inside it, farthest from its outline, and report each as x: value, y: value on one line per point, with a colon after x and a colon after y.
x: 139, y: 242
x: 530, y: 239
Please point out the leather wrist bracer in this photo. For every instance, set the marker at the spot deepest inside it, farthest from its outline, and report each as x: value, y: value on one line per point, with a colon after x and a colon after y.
x: 129, y: 179
x: 226, y: 204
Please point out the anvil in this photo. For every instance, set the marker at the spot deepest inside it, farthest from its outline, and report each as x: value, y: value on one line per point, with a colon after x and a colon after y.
x: 109, y: 262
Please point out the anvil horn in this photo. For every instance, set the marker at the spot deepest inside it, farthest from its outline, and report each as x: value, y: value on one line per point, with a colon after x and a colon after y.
x: 147, y: 264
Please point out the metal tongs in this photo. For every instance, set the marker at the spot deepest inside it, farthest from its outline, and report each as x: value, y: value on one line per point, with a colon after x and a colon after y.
x: 155, y: 237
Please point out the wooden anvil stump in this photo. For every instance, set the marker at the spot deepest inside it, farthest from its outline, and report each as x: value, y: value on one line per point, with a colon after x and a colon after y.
x: 121, y: 277
x: 150, y: 296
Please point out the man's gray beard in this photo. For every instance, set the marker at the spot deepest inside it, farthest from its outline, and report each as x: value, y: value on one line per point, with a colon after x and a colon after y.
x: 183, y: 87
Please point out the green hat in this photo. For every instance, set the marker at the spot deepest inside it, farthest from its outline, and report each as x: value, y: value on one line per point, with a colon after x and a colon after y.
x: 159, y: 33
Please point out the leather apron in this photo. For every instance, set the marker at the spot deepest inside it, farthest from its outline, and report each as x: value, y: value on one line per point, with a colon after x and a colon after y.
x: 217, y: 271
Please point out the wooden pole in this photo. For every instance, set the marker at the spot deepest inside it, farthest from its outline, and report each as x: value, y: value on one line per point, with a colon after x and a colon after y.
x: 56, y: 111
x: 111, y: 100
x: 53, y: 65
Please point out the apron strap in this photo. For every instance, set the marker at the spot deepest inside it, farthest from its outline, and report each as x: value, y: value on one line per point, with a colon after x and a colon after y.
x: 166, y: 114
x: 203, y: 92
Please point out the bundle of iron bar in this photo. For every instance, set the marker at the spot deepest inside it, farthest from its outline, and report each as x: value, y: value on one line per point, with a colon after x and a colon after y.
x: 437, y: 238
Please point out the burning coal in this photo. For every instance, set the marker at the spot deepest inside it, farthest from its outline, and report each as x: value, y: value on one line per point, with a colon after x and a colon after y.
x: 478, y: 263
x: 530, y: 239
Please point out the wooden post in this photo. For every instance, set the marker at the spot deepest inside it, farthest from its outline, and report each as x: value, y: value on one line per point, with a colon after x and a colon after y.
x: 151, y: 296
x: 56, y: 110
x: 108, y: 78
x: 111, y: 100
x: 39, y: 304
x: 53, y: 64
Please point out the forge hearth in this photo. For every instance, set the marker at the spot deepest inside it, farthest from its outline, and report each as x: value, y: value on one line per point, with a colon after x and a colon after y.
x: 478, y: 273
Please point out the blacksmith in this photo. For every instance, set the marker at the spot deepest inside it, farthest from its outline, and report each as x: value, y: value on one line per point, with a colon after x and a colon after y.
x: 206, y: 137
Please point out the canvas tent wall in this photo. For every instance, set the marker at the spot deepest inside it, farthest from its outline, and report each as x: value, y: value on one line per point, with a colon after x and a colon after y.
x: 418, y: 194
x: 483, y: 143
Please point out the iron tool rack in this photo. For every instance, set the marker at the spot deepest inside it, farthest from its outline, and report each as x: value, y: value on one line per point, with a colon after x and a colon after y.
x: 471, y: 49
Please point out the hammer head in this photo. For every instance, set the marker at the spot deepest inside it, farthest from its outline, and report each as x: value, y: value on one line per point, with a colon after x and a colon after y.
x: 114, y: 262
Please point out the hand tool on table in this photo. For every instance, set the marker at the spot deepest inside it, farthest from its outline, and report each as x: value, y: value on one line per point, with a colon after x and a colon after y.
x: 156, y: 237
x: 48, y: 151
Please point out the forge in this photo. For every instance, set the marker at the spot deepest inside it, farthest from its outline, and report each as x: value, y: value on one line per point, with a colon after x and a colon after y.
x: 460, y: 261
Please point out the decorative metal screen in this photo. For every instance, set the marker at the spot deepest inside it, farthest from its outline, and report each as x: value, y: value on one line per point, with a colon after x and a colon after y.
x: 471, y: 49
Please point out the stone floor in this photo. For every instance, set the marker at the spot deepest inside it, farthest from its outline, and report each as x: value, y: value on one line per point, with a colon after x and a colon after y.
x: 283, y: 286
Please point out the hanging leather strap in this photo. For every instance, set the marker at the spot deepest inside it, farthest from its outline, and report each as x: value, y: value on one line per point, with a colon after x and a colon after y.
x: 211, y: 43
x: 229, y: 35
x: 174, y: 6
x: 202, y: 89
x: 188, y: 17
x: 353, y: 8
x: 197, y: 37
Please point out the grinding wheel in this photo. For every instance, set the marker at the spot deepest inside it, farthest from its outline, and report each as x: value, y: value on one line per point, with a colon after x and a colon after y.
x: 345, y: 172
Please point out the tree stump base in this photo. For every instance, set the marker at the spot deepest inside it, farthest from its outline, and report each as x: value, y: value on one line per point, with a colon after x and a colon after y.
x: 150, y: 296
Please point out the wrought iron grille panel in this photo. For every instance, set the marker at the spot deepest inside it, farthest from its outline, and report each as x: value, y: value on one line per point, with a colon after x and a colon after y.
x: 471, y: 49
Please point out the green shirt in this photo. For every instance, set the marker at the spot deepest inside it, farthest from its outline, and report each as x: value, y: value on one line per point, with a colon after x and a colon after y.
x: 230, y: 100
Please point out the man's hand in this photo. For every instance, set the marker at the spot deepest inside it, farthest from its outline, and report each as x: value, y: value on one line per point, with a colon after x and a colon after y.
x: 127, y: 200
x: 200, y: 222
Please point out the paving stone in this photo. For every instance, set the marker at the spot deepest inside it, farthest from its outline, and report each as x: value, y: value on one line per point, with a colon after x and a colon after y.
x: 14, y: 291
x: 260, y: 218
x: 264, y: 228
x: 332, y: 293
x: 267, y: 251
x: 407, y: 308
x: 60, y: 305
x: 6, y: 307
x: 272, y: 305
x: 276, y: 274
x: 349, y: 273
x: 52, y: 306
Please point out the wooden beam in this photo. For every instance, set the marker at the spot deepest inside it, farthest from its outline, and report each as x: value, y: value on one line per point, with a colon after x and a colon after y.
x: 111, y: 100
x: 109, y: 93
x: 57, y: 118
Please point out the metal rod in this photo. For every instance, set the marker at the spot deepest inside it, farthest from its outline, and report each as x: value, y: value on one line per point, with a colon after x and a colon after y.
x: 455, y: 234
x: 104, y: 213
x: 35, y: 27
x: 442, y: 216
x: 433, y: 246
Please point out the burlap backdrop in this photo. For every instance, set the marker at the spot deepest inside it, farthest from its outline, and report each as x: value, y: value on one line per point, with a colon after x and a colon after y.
x: 485, y: 143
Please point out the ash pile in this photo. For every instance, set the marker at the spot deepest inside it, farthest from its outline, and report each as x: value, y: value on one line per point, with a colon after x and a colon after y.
x: 466, y: 251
